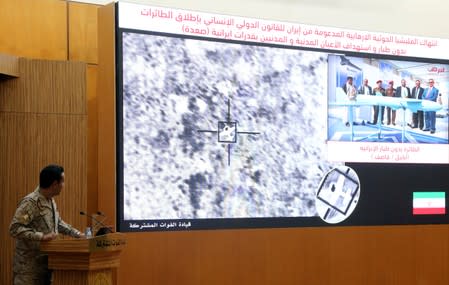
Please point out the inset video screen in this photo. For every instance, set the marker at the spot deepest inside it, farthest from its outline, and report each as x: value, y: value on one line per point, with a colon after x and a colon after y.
x: 387, y: 111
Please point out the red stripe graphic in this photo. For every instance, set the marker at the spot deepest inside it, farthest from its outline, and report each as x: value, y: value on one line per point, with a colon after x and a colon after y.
x: 429, y: 211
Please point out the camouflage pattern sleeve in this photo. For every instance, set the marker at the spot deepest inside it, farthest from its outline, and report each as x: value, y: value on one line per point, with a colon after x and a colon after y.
x: 22, y: 223
x: 63, y: 227
x: 67, y: 229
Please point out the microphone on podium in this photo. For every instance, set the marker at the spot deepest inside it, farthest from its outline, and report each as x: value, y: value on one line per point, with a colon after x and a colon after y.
x: 103, y: 229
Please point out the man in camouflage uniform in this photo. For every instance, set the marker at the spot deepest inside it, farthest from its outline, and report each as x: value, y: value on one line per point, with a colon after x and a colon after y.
x: 37, y: 220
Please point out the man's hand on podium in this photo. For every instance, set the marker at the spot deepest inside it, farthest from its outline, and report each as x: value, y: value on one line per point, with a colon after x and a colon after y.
x: 49, y: 236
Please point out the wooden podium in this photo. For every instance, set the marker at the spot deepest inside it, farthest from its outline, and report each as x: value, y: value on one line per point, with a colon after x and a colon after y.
x: 84, y: 261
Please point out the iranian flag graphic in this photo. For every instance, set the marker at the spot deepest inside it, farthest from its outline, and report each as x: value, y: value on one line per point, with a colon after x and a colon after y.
x: 429, y: 203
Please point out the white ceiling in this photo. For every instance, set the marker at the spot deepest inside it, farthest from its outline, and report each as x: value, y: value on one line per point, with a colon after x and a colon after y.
x: 425, y: 71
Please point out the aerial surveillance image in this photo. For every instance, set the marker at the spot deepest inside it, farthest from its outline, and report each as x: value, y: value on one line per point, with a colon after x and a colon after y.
x: 220, y: 130
x: 338, y: 194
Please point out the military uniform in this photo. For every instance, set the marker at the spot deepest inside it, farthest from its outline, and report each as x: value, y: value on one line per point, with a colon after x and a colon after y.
x: 35, y: 216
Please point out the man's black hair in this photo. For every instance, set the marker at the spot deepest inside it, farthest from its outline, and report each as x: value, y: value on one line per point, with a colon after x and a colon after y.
x: 49, y: 174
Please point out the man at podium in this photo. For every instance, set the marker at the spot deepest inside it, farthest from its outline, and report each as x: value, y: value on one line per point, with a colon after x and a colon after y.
x: 37, y: 220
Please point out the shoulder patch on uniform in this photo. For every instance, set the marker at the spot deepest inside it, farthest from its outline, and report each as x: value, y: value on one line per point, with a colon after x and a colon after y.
x: 24, y: 219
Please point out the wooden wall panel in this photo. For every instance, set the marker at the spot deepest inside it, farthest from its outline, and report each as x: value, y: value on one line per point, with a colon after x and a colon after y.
x: 28, y: 142
x: 83, y: 32
x: 34, y: 28
x: 92, y: 139
x: 106, y: 111
x: 431, y: 252
x: 82, y: 40
x: 9, y: 65
x: 45, y: 87
x: 346, y: 255
x: 43, y: 113
x: 31, y: 141
x: 39, y: 127
x: 106, y: 115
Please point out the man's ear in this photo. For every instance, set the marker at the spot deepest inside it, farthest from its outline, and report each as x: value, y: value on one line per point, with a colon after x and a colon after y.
x: 54, y: 184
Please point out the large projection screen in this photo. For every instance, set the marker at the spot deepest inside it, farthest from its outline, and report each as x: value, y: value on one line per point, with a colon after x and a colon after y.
x: 230, y: 122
